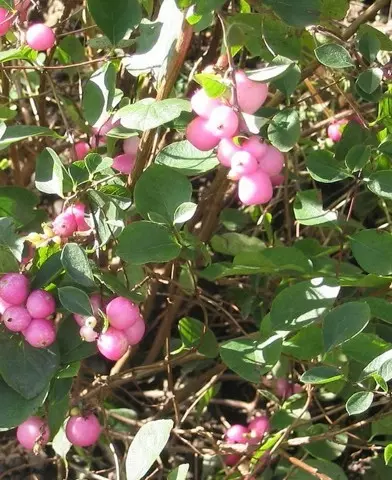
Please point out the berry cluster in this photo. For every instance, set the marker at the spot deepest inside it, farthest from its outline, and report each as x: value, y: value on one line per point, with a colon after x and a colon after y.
x: 25, y: 312
x: 254, y: 164
x: 71, y: 220
x: 126, y: 325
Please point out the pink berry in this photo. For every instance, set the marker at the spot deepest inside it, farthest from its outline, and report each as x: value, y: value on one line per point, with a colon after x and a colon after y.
x: 272, y: 162
x: 41, y: 333
x: 335, y: 130
x: 203, y: 105
x: 3, y: 306
x: 64, y: 225
x: 232, y: 459
x: 250, y: 95
x: 83, y: 431
x: 199, y: 136
x: 223, y: 122
x: 226, y: 149
x: 88, y: 334
x: 258, y: 428
x: 81, y: 149
x: 131, y: 145
x: 237, y: 434
x: 255, y: 147
x: 277, y: 180
x: 283, y: 388
x: 124, y: 163
x: 14, y: 288
x: 5, y: 21
x: 136, y: 332
x: 78, y: 211
x: 40, y: 304
x: 96, y: 305
x: 122, y: 313
x: 31, y: 432
x: 243, y: 163
x: 255, y: 189
x: 113, y: 344
x: 16, y: 318
x: 104, y: 127
x: 40, y: 37
x: 297, y: 388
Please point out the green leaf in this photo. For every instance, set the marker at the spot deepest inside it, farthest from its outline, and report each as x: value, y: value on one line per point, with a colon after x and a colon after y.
x: 15, y: 409
x: 76, y: 264
x: 16, y: 133
x: 146, y: 447
x: 61, y: 445
x: 22, y: 53
x: 48, y: 272
x: 115, y: 19
x: 333, y: 55
x: 303, y: 303
x: 364, y: 347
x: 194, y: 334
x: 234, y: 243
x: 324, y: 449
x: 26, y: 369
x: 334, y: 9
x: 329, y: 469
x: 284, y: 130
x: 277, y: 69
x: 324, y: 168
x: 10, y: 239
x: 357, y: 157
x: 184, y: 212
x: 288, y: 81
x: 321, y: 375
x: 70, y: 50
x: 187, y: 159
x: 353, y: 134
x: 306, y: 344
x: 385, y: 41
x: 147, y: 242
x: 388, y: 454
x: 98, y: 94
x: 308, y: 209
x: 8, y: 262
x: 380, y: 308
x: 50, y: 175
x: 380, y: 183
x: 150, y: 113
x: 212, y: 84
x: 75, y: 300
x: 72, y: 347
x: 96, y: 163
x: 370, y: 80
x: 359, y: 402
x: 344, y: 322
x: 161, y: 190
x: 58, y: 403
x: 377, y: 365
x: 372, y: 249
x: 251, y: 359
x: 179, y: 473
x: 299, y: 13
x: 369, y: 45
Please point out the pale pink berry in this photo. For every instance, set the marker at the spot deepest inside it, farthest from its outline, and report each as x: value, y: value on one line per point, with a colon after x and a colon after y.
x: 124, y: 163
x: 40, y: 37
x: 88, y: 334
x: 78, y: 211
x: 243, y: 163
x: 90, y: 322
x: 277, y: 180
x: 81, y: 149
x: 113, y: 344
x: 203, y: 105
x: 272, y: 162
x: 135, y: 333
x: 255, y: 189
x: 14, y: 288
x: 283, y: 388
x: 122, y: 313
x: 40, y: 304
x: 31, y: 432
x: 223, y: 122
x: 131, y: 145
x: 199, y: 136
x: 237, y: 434
x: 255, y: 147
x: 250, y: 95
x: 3, y: 306
x: 16, y: 318
x: 226, y: 149
x: 5, y: 21
x: 232, y: 459
x: 41, y: 333
x: 83, y: 431
x: 64, y: 225
x: 335, y: 130
x: 96, y: 305
x: 258, y: 428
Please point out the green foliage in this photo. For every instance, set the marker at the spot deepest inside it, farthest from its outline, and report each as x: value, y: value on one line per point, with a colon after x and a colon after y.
x: 194, y: 334
x: 333, y: 55
x: 284, y: 130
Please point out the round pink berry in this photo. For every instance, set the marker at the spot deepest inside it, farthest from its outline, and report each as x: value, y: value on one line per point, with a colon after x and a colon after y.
x: 200, y: 136
x: 283, y: 388
x: 83, y: 431
x: 14, y: 288
x: 131, y: 145
x: 272, y: 162
x: 223, y: 122
x: 250, y: 95
x: 277, y: 180
x: 237, y: 434
x: 64, y: 225
x: 232, y: 459
x: 113, y: 344
x: 81, y: 149
x: 226, y: 149
x: 135, y: 333
x: 40, y: 304
x: 255, y: 147
x: 243, y: 163
x: 5, y: 21
x: 124, y: 163
x: 203, y: 105
x: 255, y: 189
x: 122, y: 313
x: 88, y: 334
x: 258, y: 428
x: 40, y: 37
x: 16, y: 318
x: 41, y: 333
x: 31, y: 432
x: 78, y: 212
x: 335, y: 130
x: 3, y: 306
